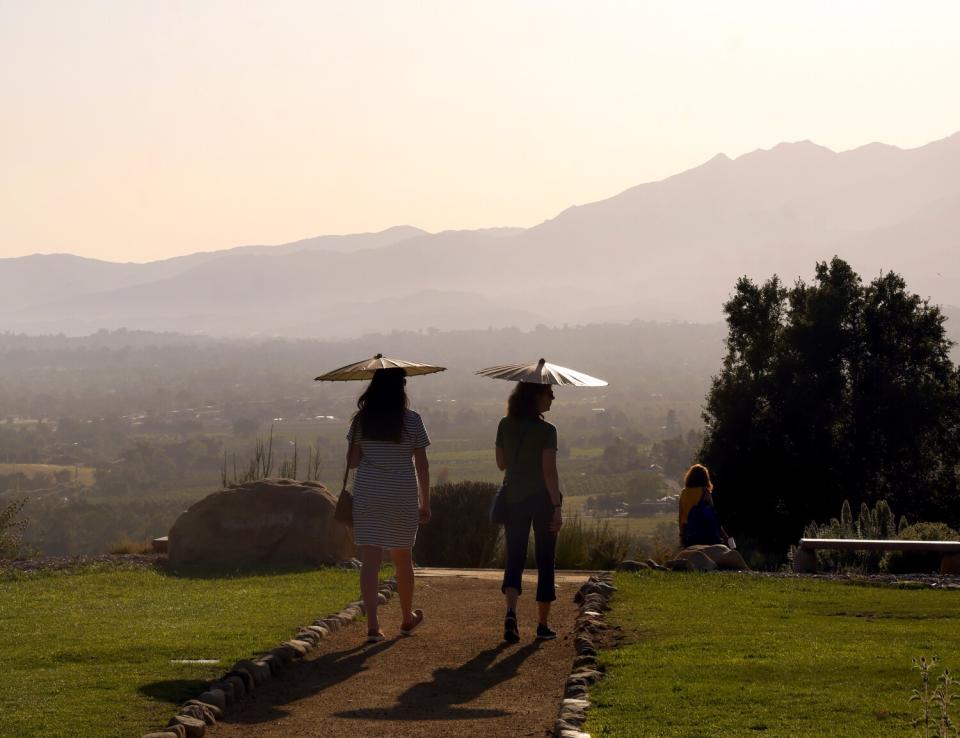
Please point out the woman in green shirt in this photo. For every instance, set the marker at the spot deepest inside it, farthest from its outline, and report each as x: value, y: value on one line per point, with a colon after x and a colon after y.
x: 527, y: 453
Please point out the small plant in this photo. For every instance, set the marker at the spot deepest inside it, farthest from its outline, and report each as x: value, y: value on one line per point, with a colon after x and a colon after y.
x: 11, y: 528
x: 258, y: 466
x: 934, y: 720
x: 665, y: 542
x: 313, y: 464
x: 878, y: 523
x: 288, y: 467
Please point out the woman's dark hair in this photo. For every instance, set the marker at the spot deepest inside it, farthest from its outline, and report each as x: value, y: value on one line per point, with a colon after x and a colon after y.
x: 698, y: 476
x: 381, y: 407
x: 523, y: 400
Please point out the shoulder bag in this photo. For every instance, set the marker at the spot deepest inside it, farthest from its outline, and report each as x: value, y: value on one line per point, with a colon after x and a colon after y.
x: 343, y: 512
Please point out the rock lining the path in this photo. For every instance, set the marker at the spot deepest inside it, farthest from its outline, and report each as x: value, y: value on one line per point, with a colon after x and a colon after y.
x: 246, y: 675
x: 593, y: 598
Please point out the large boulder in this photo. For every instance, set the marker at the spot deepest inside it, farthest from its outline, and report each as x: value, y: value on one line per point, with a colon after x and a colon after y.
x: 699, y: 560
x: 717, y: 556
x: 269, y: 521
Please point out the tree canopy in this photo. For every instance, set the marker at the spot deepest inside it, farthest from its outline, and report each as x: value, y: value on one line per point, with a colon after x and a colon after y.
x: 830, y: 391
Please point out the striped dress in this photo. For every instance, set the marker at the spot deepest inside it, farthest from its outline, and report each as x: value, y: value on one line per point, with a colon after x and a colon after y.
x: 385, y: 500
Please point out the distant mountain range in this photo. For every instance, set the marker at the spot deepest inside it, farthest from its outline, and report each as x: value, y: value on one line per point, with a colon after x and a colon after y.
x: 666, y: 250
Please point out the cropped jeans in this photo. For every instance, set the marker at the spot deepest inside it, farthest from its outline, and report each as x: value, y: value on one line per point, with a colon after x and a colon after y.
x: 536, y: 510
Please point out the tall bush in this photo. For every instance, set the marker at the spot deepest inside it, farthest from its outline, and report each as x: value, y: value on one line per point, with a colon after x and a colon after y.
x: 904, y: 562
x: 460, y: 533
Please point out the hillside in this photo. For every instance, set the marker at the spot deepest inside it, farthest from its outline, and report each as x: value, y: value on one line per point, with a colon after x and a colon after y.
x: 666, y: 250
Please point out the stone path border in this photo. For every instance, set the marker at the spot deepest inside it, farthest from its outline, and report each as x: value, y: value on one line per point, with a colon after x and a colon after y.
x: 246, y: 675
x: 593, y: 598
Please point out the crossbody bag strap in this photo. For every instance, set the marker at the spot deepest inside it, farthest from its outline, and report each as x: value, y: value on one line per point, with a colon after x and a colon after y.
x: 353, y: 436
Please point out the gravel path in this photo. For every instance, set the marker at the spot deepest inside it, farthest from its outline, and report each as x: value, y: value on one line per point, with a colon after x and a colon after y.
x: 454, y: 677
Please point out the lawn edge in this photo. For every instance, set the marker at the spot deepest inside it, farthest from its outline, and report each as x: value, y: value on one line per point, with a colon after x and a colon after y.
x: 594, y: 601
x: 244, y: 677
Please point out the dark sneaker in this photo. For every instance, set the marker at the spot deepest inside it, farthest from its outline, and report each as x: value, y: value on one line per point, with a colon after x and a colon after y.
x: 544, y: 633
x: 511, y: 630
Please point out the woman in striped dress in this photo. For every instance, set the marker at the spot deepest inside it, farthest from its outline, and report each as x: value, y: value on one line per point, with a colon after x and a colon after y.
x: 391, y: 490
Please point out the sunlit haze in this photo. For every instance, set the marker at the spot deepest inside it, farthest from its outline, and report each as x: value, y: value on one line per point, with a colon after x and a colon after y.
x: 134, y: 131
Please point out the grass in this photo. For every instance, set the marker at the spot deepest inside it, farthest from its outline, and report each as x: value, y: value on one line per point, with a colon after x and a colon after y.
x: 92, y: 652
x: 737, y: 655
x: 84, y: 474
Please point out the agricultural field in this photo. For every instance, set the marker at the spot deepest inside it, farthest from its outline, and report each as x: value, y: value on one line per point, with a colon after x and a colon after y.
x: 641, y: 527
x: 106, y: 652
x: 733, y: 655
x: 80, y: 474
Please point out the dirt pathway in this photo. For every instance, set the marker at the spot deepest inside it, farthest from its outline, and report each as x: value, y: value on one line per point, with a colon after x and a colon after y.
x: 455, y: 677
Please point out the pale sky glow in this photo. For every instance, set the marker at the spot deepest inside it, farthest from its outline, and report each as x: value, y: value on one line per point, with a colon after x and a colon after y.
x: 133, y: 130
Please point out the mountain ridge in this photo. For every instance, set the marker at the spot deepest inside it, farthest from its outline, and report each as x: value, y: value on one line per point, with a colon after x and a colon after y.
x: 671, y: 248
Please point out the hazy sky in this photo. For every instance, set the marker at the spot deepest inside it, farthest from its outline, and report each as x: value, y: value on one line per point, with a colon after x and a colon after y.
x: 136, y: 130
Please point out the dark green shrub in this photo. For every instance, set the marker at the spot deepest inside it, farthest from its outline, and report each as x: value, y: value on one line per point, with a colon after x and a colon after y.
x: 905, y: 562
x: 460, y: 533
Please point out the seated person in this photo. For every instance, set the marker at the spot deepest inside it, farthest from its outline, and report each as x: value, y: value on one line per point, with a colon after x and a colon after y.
x: 699, y: 522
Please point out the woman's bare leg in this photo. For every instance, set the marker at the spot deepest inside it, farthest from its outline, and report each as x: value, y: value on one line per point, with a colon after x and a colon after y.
x: 512, y: 596
x: 370, y: 559
x: 403, y: 564
x: 543, y: 612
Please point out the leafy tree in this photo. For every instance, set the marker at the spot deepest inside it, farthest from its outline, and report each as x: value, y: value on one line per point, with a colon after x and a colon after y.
x: 830, y: 391
x: 621, y: 456
x: 676, y: 455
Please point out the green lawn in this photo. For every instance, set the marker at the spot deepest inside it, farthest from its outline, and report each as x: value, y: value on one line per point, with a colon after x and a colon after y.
x: 91, y: 652
x: 736, y: 655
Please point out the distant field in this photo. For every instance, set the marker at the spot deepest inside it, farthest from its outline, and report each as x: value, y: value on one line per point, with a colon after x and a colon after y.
x: 642, y: 527
x: 92, y: 653
x: 585, y: 453
x: 485, y: 455
x: 84, y: 474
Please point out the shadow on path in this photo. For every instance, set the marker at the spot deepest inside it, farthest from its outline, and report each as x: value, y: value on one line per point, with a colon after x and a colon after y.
x: 306, y: 678
x: 438, y: 699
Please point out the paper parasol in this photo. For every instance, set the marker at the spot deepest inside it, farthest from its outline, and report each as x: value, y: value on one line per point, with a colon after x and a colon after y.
x: 366, y: 368
x: 541, y: 373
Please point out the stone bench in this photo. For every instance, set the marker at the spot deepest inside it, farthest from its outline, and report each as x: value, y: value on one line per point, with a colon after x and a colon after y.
x: 805, y: 558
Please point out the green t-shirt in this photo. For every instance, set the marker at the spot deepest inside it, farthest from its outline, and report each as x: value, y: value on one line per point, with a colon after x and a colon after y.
x: 523, y: 442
